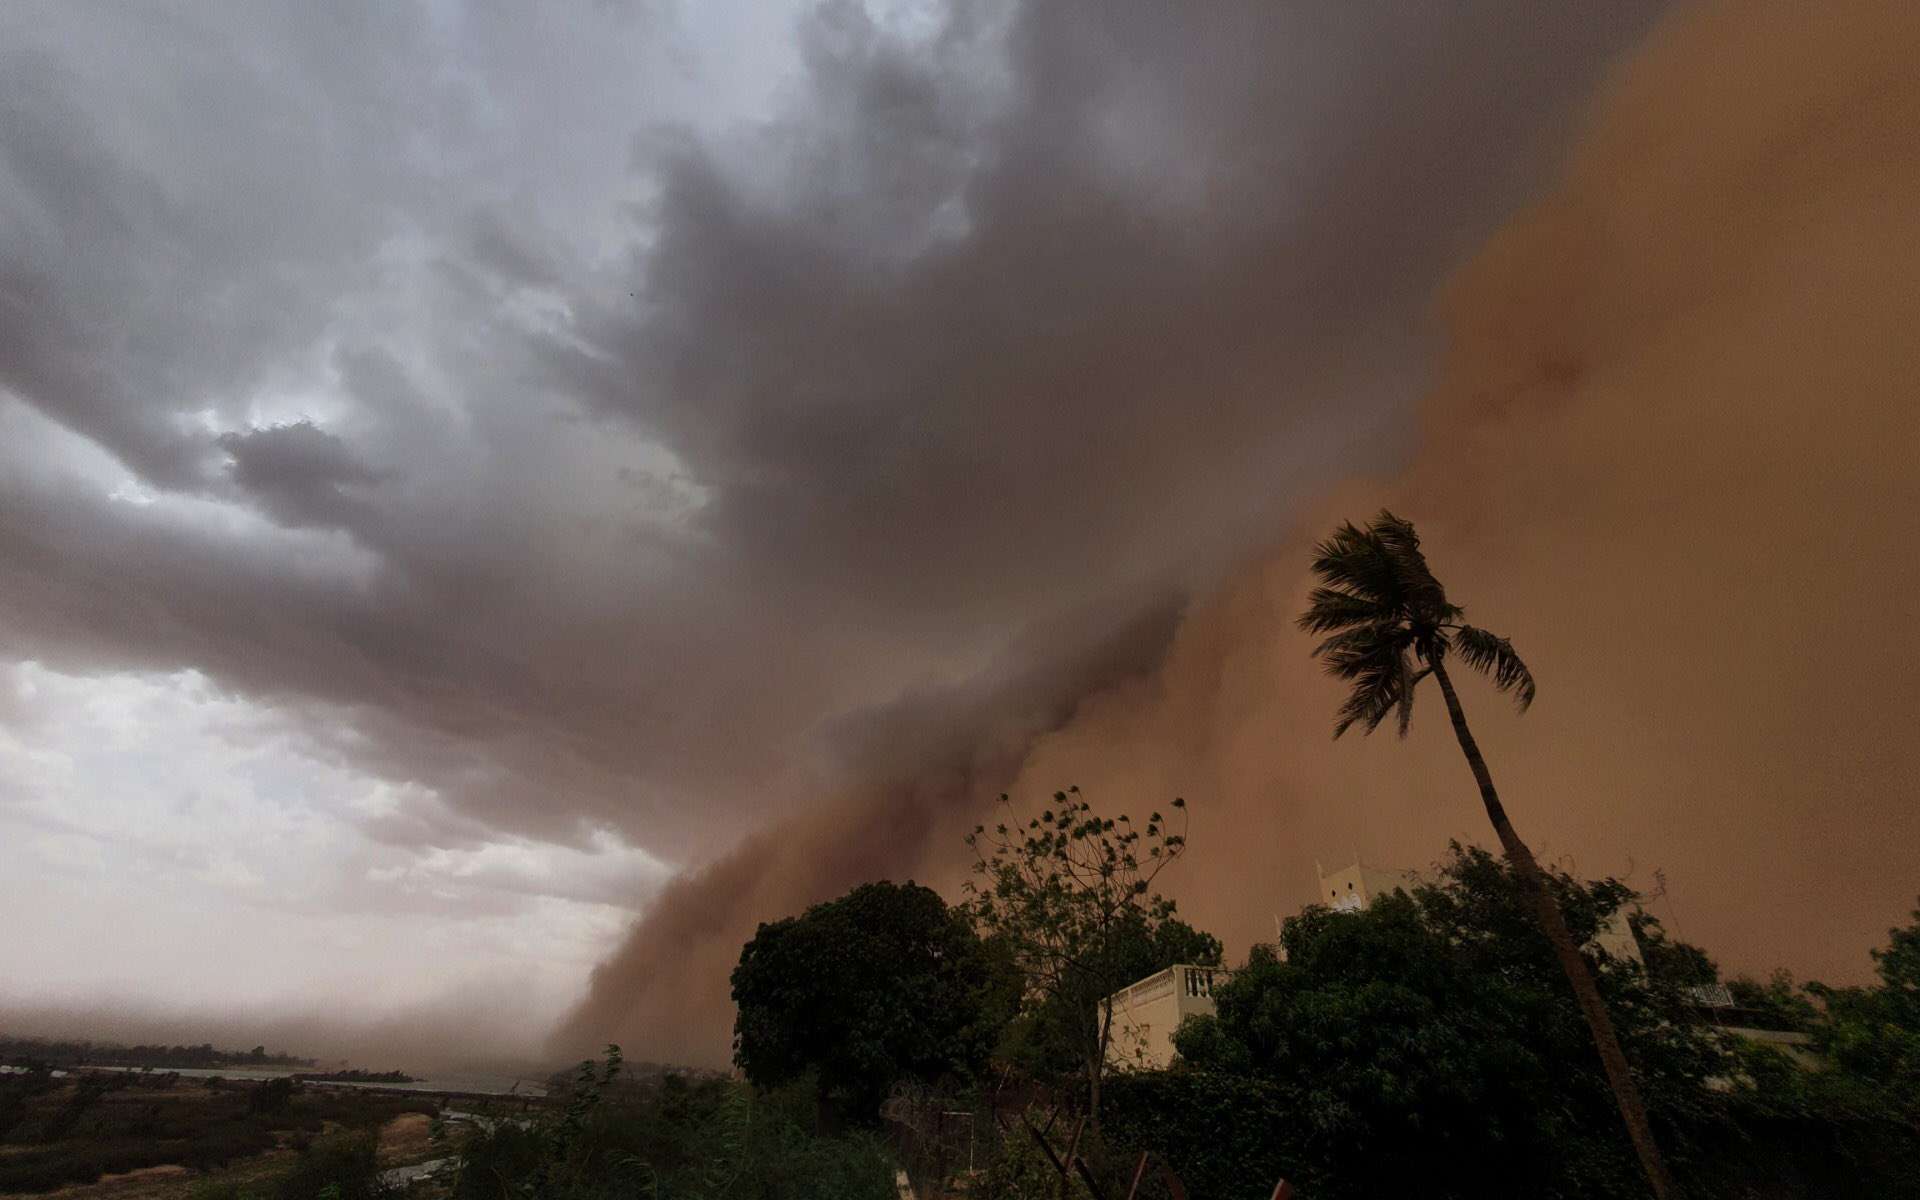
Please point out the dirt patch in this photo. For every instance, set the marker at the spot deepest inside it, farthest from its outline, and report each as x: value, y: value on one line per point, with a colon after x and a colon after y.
x: 166, y: 1171
x: 407, y: 1139
x: 129, y: 1185
x: 170, y: 1182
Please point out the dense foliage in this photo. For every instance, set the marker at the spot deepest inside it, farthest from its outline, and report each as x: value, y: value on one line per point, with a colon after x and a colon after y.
x: 1428, y: 1043
x: 344, y: 1166
x: 883, y: 984
x: 675, y: 1137
x: 1873, y: 1033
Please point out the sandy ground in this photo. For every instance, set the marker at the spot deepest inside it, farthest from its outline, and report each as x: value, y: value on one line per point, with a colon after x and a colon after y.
x: 168, y: 1182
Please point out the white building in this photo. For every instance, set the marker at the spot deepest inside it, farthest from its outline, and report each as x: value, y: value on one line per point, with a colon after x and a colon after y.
x: 1353, y: 888
x: 1146, y: 1014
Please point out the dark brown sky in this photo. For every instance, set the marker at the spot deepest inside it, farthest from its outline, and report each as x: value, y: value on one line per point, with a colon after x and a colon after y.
x: 460, y: 476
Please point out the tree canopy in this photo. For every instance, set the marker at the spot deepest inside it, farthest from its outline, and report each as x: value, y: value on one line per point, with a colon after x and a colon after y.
x: 1873, y: 1032
x: 1429, y: 1037
x: 883, y: 984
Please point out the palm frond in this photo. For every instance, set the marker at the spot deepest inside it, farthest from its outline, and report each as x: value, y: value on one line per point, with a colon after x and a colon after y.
x: 1379, y: 688
x: 1387, y: 615
x: 1374, y: 659
x: 1331, y: 608
x: 1400, y: 542
x: 1355, y: 561
x: 1494, y: 657
x: 1348, y: 653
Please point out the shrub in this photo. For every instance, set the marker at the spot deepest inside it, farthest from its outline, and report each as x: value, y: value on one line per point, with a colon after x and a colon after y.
x: 1018, y: 1170
x: 273, y: 1096
x: 1229, y: 1137
x: 674, y: 1138
x: 342, y: 1167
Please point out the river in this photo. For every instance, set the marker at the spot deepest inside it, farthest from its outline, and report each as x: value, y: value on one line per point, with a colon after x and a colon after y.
x: 460, y: 1084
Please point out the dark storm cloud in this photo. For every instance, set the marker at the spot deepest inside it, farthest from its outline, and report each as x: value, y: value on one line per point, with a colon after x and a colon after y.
x: 1099, y: 320
x: 299, y: 473
x: 598, y: 450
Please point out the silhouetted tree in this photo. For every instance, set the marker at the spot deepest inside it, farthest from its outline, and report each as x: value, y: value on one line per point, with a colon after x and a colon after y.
x: 1390, y: 625
x: 1069, y: 894
x: 883, y: 984
x: 1873, y: 1032
x: 1428, y: 1045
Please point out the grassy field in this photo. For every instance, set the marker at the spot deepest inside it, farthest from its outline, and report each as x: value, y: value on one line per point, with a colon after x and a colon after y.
x: 136, y: 1136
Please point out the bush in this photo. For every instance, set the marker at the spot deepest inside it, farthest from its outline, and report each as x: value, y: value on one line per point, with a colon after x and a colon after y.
x: 674, y: 1138
x: 273, y: 1096
x: 1019, y: 1170
x: 1228, y: 1137
x: 342, y: 1167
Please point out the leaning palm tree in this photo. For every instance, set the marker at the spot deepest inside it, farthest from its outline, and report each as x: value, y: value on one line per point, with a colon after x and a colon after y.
x: 1390, y: 626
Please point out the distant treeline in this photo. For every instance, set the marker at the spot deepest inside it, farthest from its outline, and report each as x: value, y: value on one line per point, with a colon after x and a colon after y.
x: 356, y: 1075
x: 23, y: 1050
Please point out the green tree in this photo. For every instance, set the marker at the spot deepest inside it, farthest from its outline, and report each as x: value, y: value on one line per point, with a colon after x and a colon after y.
x: 675, y: 1137
x: 1873, y: 1033
x: 883, y: 984
x: 1390, y: 625
x: 1428, y: 1045
x: 1070, y: 895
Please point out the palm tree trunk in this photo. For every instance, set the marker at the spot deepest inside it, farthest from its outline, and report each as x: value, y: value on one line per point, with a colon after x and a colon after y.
x: 1554, y: 923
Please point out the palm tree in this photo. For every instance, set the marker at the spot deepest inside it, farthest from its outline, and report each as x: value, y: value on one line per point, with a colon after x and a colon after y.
x: 1390, y: 626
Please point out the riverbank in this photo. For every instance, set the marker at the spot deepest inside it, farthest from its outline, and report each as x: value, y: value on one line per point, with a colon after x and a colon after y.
x: 461, y: 1086
x: 114, y: 1134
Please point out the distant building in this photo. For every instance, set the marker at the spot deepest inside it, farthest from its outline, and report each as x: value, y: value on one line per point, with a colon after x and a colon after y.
x: 1353, y: 888
x: 1146, y: 1014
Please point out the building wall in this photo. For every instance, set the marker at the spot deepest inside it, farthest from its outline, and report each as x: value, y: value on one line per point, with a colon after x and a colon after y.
x: 1146, y: 1014
x: 1357, y: 886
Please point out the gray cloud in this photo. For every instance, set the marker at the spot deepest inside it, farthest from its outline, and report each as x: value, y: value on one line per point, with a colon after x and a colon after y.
x: 300, y: 474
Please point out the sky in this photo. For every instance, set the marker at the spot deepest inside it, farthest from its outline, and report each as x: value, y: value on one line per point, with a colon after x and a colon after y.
x: 495, y: 502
